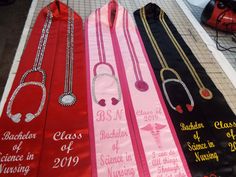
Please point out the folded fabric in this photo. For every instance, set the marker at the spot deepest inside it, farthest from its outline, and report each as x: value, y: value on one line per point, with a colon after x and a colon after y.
x: 129, y: 127
x: 44, y: 127
x: 201, y: 116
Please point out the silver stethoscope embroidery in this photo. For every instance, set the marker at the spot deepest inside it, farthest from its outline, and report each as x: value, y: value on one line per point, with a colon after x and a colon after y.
x: 68, y: 98
x: 178, y: 80
x: 140, y: 84
x: 36, y: 68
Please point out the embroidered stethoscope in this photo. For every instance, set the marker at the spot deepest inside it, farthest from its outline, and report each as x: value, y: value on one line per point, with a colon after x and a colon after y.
x: 68, y: 98
x: 102, y: 61
x: 35, y: 69
x: 166, y: 68
x: 203, y: 91
x: 140, y: 84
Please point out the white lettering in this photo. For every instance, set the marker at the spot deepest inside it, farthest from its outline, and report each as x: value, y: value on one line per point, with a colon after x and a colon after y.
x: 8, y: 136
x: 60, y: 136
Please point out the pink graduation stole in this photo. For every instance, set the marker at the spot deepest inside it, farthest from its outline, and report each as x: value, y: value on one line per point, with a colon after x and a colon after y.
x: 44, y: 126
x: 130, y: 130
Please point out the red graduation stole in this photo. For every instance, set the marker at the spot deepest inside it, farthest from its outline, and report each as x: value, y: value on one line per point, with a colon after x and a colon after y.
x: 43, y: 127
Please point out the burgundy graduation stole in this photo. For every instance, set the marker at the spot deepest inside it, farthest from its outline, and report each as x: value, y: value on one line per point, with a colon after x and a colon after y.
x: 129, y: 127
x: 204, y: 122
x: 44, y: 127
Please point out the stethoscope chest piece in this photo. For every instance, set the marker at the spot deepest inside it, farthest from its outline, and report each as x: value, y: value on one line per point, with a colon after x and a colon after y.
x: 67, y: 99
x: 141, y: 85
x: 206, y: 93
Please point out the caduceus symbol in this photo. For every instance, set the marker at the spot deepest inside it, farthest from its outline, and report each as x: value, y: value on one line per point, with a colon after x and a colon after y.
x: 155, y: 131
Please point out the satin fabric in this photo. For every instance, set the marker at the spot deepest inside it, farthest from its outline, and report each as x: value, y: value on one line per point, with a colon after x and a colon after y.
x: 133, y: 136
x: 55, y: 143
x: 67, y: 125
x: 210, y: 119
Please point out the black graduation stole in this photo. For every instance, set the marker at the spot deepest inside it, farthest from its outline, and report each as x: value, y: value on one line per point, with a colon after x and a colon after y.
x: 204, y: 123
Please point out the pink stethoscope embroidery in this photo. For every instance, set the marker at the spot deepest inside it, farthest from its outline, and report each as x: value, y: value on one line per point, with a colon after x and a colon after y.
x: 102, y: 61
x: 139, y: 84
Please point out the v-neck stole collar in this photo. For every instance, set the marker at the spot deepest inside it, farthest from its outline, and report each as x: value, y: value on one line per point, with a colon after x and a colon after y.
x: 151, y: 10
x: 58, y: 14
x: 110, y: 14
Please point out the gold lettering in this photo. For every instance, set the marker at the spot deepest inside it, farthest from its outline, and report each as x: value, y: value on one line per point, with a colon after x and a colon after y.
x: 206, y: 157
x: 232, y: 146
x: 191, y: 126
x: 196, y: 147
x: 231, y: 134
x: 224, y: 125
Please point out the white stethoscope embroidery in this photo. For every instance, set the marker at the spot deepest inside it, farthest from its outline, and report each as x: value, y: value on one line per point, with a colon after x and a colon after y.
x: 114, y: 100
x: 36, y: 68
x: 178, y: 80
x: 68, y: 98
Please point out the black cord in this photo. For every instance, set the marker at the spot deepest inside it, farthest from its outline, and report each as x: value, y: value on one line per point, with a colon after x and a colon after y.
x: 228, y: 25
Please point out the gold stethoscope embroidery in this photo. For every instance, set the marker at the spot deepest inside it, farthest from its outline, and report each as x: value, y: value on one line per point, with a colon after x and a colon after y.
x: 166, y: 68
x: 204, y: 92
